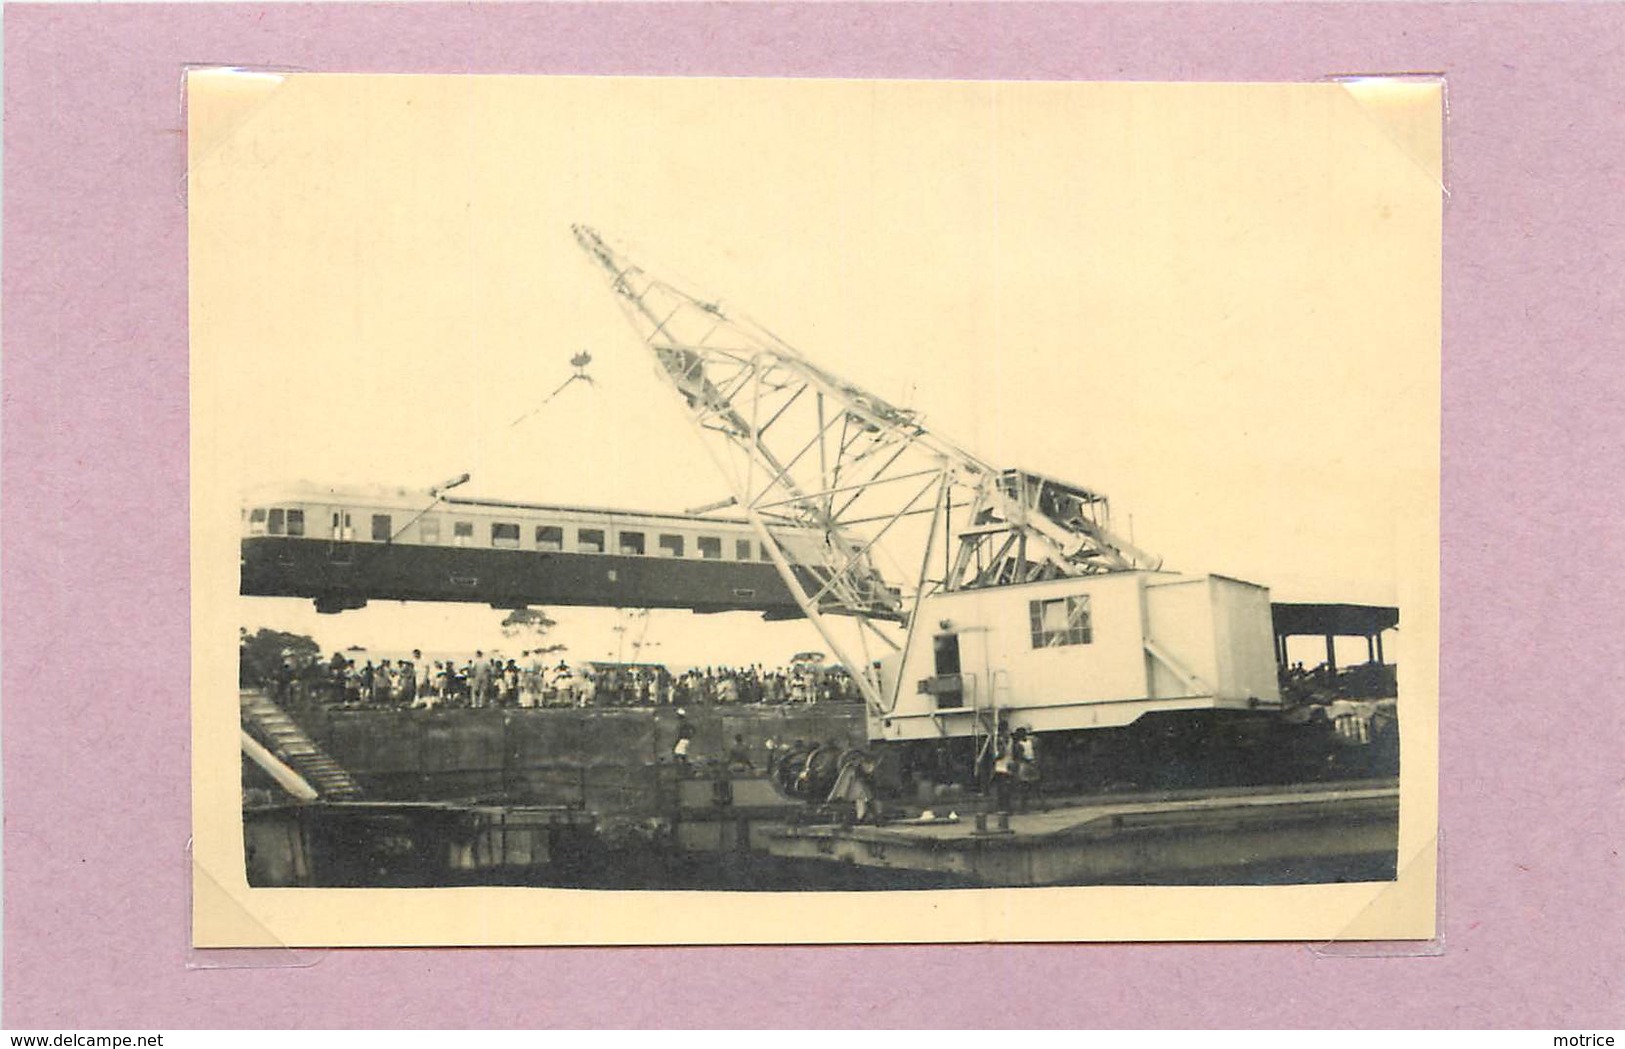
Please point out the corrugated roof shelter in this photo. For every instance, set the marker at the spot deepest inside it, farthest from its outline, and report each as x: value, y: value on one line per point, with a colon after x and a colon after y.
x: 1330, y: 622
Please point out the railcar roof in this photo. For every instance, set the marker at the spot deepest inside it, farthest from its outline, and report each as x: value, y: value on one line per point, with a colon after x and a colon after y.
x: 499, y: 504
x: 417, y: 499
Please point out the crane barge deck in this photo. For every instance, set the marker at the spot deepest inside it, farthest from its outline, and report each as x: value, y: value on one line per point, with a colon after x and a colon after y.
x: 1315, y: 832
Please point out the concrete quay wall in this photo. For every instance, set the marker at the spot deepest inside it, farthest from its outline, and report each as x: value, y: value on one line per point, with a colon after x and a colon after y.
x: 608, y: 760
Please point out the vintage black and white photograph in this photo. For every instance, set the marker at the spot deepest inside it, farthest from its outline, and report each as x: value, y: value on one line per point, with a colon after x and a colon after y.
x: 828, y: 501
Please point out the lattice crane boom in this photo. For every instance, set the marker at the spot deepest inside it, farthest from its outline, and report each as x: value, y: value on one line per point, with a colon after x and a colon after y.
x: 826, y: 471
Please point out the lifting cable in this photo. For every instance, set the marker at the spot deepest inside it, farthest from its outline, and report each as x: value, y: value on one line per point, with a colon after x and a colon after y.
x: 579, y: 362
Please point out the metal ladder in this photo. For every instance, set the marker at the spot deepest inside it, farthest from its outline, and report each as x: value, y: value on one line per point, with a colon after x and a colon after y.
x: 267, y: 722
x: 985, y: 728
x: 984, y: 731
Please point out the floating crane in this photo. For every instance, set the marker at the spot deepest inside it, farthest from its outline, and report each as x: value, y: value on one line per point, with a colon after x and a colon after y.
x: 1037, y: 615
x: 806, y: 451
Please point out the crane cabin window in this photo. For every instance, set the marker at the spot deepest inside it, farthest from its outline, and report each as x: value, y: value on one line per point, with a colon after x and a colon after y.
x: 710, y: 547
x: 1061, y: 621
x: 505, y: 535
x: 462, y: 533
x: 549, y: 537
x: 256, y: 521
x: 381, y: 530
x: 741, y: 549
x: 589, y: 540
x: 947, y: 684
x: 671, y: 546
x: 275, y: 527
x: 631, y: 543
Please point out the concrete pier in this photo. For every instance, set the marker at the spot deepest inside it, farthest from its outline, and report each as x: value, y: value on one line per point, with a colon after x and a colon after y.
x: 1280, y: 835
x: 604, y: 759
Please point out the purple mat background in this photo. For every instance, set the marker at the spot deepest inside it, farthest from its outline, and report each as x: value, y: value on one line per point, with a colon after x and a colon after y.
x: 95, y: 522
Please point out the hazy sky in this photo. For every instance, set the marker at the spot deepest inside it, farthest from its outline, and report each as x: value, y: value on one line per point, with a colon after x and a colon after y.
x: 1216, y: 304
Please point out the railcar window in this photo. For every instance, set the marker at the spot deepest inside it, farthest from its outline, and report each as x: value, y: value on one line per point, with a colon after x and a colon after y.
x: 741, y: 549
x: 549, y: 537
x: 710, y: 548
x: 589, y: 540
x: 429, y: 530
x: 275, y: 525
x: 505, y: 535
x: 256, y: 521
x: 296, y: 522
x: 462, y: 533
x: 631, y: 543
x: 671, y: 546
x: 381, y: 530
x: 1062, y: 621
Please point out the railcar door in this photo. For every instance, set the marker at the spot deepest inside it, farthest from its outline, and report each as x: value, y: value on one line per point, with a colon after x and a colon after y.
x: 341, y: 547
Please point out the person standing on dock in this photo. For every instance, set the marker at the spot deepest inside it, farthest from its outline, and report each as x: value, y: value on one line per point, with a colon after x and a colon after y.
x: 482, y: 680
x: 425, y: 677
x: 685, y: 733
x: 739, y: 756
x: 855, y: 783
x: 510, y: 684
x: 1028, y: 788
x: 1003, y: 773
x: 407, y: 691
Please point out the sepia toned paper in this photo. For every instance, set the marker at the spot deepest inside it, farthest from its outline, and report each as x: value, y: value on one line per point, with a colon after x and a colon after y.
x: 1218, y: 303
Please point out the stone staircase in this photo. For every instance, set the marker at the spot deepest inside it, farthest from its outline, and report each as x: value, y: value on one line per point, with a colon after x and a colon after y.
x: 271, y: 725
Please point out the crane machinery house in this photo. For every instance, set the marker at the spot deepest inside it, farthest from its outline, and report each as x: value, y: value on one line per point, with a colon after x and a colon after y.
x: 1094, y: 651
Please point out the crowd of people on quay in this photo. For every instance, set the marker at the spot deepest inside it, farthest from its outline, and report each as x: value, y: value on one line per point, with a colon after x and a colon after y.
x: 537, y: 680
